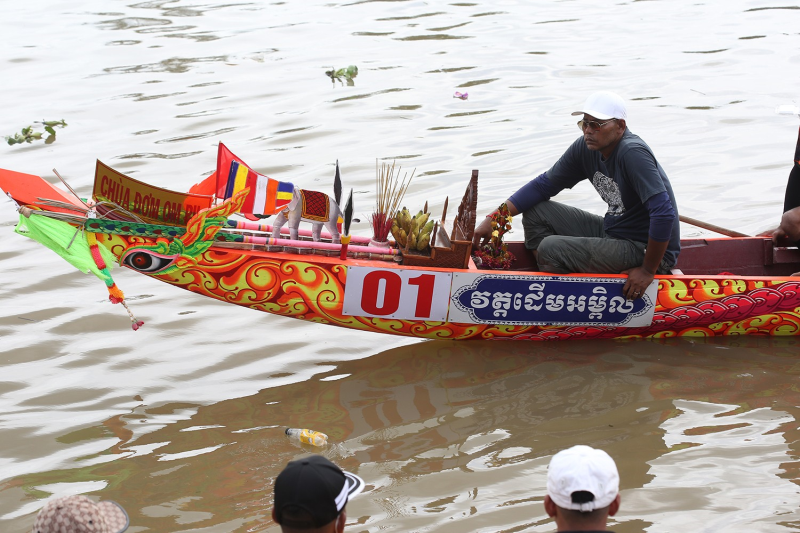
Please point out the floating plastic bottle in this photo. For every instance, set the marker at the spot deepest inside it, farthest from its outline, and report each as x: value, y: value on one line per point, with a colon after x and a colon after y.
x: 308, y: 436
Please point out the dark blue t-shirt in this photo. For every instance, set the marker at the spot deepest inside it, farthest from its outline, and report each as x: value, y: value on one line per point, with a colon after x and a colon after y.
x: 626, y: 181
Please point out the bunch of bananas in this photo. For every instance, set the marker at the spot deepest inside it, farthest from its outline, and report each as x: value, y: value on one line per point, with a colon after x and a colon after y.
x: 413, y: 233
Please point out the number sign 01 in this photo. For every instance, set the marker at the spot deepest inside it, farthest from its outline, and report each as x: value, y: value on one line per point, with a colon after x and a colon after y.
x: 399, y: 294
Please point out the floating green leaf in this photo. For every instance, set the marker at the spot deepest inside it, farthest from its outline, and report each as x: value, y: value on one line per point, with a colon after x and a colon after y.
x: 27, y: 135
x: 343, y: 75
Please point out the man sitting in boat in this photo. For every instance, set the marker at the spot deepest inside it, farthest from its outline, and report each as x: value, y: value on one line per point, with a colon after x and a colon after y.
x: 640, y: 233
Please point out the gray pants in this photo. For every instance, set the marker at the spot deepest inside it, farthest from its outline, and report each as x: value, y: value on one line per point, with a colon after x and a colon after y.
x: 569, y: 240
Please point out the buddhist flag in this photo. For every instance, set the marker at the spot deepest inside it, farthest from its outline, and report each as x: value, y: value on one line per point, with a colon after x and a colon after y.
x: 267, y: 196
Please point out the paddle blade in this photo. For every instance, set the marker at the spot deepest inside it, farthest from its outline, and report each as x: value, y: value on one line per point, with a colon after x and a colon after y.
x: 337, y: 185
x: 348, y: 213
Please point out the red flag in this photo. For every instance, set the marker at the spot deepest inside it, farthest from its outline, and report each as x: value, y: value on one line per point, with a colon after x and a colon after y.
x: 207, y: 186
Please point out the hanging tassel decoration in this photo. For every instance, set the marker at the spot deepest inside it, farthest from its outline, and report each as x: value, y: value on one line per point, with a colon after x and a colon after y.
x: 115, y: 294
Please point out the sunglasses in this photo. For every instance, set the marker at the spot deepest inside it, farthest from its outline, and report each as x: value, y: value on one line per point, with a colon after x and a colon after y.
x: 583, y: 124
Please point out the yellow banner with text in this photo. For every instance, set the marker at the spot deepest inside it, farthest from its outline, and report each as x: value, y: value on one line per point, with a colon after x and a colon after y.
x: 152, y: 204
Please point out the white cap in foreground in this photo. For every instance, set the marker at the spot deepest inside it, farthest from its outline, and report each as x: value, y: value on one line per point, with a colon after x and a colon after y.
x: 604, y: 105
x: 582, y: 469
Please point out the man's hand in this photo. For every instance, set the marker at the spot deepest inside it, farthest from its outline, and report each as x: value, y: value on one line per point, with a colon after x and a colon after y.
x: 779, y: 237
x: 767, y: 233
x: 638, y: 281
x: 483, y: 232
x: 639, y: 278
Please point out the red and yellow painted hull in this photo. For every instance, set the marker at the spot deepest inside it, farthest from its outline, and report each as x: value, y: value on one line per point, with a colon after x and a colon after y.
x: 312, y: 288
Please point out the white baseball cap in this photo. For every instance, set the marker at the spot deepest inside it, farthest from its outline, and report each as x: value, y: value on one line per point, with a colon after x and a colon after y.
x: 604, y: 105
x: 582, y: 469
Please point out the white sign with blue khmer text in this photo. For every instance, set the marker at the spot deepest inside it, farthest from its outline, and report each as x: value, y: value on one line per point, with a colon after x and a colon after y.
x: 533, y: 300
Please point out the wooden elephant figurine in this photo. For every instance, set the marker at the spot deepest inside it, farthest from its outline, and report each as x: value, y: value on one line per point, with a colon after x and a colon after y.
x: 311, y: 206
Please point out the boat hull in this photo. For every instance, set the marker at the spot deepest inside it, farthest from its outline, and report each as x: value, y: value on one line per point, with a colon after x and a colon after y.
x: 313, y: 288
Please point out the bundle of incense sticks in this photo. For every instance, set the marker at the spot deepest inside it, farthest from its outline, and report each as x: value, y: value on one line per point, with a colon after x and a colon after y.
x: 390, y: 191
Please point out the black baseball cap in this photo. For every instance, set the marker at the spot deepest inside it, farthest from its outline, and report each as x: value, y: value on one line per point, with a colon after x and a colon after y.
x: 312, y: 491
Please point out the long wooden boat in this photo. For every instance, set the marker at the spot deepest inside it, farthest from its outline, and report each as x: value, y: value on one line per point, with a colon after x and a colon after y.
x: 721, y: 286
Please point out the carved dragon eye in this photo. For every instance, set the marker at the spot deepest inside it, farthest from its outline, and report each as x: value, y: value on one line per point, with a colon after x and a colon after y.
x: 147, y: 262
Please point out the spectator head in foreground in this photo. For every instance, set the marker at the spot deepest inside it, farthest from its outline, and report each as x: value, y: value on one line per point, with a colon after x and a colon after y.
x: 582, y: 489
x: 311, y: 495
x: 79, y: 514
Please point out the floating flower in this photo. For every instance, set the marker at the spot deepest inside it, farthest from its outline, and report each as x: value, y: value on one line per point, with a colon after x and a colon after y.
x: 462, y: 96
